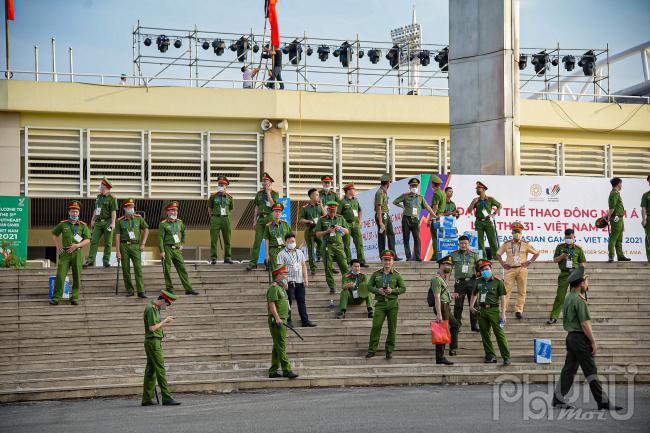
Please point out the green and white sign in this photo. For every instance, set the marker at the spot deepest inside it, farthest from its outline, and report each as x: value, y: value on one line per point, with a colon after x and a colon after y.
x: 14, y: 219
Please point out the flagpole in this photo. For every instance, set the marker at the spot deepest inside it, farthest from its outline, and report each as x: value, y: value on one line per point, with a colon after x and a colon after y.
x: 7, y: 41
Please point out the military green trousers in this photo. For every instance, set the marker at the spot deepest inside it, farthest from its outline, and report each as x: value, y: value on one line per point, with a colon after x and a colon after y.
x: 331, y: 254
x: 259, y: 235
x: 347, y: 299
x: 560, y: 294
x: 101, y: 228
x: 155, y: 371
x: 388, y: 234
x: 411, y: 227
x: 314, y: 244
x: 486, y: 227
x: 384, y: 310
x: 434, y: 242
x: 488, y: 321
x: 615, y: 243
x: 453, y: 329
x: 355, y: 236
x: 174, y: 256
x: 647, y: 241
x: 65, y: 261
x: 131, y: 254
x: 279, y: 358
x: 273, y: 255
x: 220, y: 225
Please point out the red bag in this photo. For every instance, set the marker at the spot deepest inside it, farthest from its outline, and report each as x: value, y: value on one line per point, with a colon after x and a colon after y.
x: 440, y: 332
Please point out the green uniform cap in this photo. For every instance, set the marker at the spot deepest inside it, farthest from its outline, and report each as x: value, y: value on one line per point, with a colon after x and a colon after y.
x: 327, y: 178
x: 577, y: 275
x: 414, y: 181
x: 129, y: 202
x: 447, y: 260
x: 385, y: 178
x: 107, y: 182
x: 331, y: 203
x: 388, y: 253
x: 265, y: 176
x: 436, y: 180
x: 168, y: 295
x: 74, y: 204
x: 172, y: 204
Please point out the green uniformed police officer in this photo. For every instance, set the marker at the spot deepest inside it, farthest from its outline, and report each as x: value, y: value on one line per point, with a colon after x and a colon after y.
x: 131, y: 236
x: 412, y: 203
x: 439, y: 207
x: 490, y: 293
x: 171, y: 237
x: 568, y: 257
x: 350, y: 210
x: 581, y: 345
x: 103, y: 224
x: 441, y: 307
x: 450, y: 206
x: 330, y: 229
x: 465, y: 279
x: 328, y: 194
x: 485, y: 212
x: 74, y: 235
x: 386, y: 284
x: 220, y: 205
x: 645, y: 210
x: 153, y: 335
x: 382, y: 217
x: 264, y: 200
x: 354, y: 290
x: 278, y: 311
x: 274, y: 233
x: 309, y: 216
x: 615, y: 216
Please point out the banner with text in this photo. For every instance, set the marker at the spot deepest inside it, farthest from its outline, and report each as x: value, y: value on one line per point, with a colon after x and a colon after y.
x: 13, y: 231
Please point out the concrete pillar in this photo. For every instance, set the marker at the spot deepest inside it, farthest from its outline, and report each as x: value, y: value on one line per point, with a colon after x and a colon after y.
x: 484, y: 86
x: 10, y: 151
x: 274, y: 158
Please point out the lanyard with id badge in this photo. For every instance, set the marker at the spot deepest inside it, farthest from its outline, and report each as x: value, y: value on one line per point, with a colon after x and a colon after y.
x: 99, y: 203
x: 465, y: 266
x: 569, y: 260
x: 516, y: 259
x: 485, y: 288
x: 129, y: 226
x: 75, y: 232
x: 413, y: 204
x: 311, y: 213
x: 175, y: 231
x: 355, y: 291
x: 222, y: 206
x: 484, y: 211
x: 279, y: 238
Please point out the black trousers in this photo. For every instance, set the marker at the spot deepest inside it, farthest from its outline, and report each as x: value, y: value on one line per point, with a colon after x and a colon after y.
x: 297, y: 291
x: 464, y: 289
x: 388, y: 233
x: 411, y: 226
x: 578, y: 353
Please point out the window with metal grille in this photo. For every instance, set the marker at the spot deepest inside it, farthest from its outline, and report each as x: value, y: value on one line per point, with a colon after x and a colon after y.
x: 119, y: 156
x: 584, y: 160
x: 235, y: 155
x: 307, y: 158
x: 539, y: 158
x: 175, y: 164
x: 363, y: 160
x: 631, y: 161
x: 413, y: 156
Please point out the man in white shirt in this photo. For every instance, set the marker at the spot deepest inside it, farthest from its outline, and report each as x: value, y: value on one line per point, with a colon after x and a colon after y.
x: 294, y: 260
x: 248, y: 75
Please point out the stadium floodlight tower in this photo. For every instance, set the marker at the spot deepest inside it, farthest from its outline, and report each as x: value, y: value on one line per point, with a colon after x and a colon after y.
x: 409, y: 39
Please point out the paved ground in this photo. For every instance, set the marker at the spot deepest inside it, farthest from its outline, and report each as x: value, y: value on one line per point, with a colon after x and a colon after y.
x: 377, y: 410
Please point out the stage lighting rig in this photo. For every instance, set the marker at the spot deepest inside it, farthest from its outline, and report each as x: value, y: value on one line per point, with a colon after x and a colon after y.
x: 588, y: 62
x: 540, y: 60
x: 569, y: 62
x: 241, y: 46
x: 178, y: 43
x: 205, y: 45
x: 219, y: 46
x: 323, y: 52
x: 147, y: 42
x: 393, y: 57
x: 523, y: 61
x: 374, y: 55
x: 344, y: 53
x: 294, y: 50
x: 425, y: 57
x: 443, y: 59
x: 163, y: 43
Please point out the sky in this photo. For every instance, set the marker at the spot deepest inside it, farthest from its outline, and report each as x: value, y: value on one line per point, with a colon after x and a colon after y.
x: 100, y: 31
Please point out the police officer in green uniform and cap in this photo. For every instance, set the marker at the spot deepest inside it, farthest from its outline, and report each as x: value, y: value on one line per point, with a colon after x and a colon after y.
x: 264, y: 200
x: 412, y: 203
x: 274, y: 233
x: 441, y: 306
x: 386, y: 284
x: 382, y: 218
x: 131, y: 236
x: 485, y: 211
x: 581, y: 345
x: 615, y: 216
x: 278, y: 311
x: 450, y: 206
x: 220, y: 205
x: 355, y: 290
x: 328, y: 194
x: 350, y: 210
x: 103, y: 224
x: 153, y: 335
x: 465, y: 279
x: 439, y: 207
x: 330, y: 229
x: 645, y: 210
x: 74, y: 235
x: 309, y: 216
x: 171, y: 237
x: 568, y: 257
x: 491, y: 294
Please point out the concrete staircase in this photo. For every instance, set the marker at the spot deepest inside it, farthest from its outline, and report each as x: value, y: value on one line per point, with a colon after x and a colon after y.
x: 220, y: 341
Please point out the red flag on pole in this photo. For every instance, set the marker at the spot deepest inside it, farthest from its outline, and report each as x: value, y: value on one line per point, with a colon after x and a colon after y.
x: 273, y: 20
x: 9, y: 8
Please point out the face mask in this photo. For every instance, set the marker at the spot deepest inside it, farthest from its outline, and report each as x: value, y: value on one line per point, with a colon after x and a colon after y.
x: 283, y: 282
x: 486, y: 273
x: 173, y: 216
x: 569, y: 241
x: 220, y: 189
x: 447, y: 270
x: 516, y: 236
x: 414, y: 190
x: 74, y: 218
x: 478, y: 192
x: 291, y: 245
x: 163, y: 307
x: 354, y: 273
x: 129, y: 211
x: 101, y: 188
x: 327, y: 188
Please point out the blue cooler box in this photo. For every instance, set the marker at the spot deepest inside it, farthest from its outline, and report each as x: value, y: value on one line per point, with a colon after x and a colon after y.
x: 444, y: 222
x: 66, y: 288
x: 448, y: 233
x: 447, y: 244
x: 473, y: 239
x: 444, y: 253
x: 542, y: 353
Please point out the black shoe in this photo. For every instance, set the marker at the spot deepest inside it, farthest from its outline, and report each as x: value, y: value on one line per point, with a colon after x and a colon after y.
x: 444, y: 361
x: 74, y: 302
x: 309, y: 325
x: 475, y: 329
x: 561, y: 405
x: 213, y: 261
x: 290, y: 375
x: 611, y: 259
x: 365, y: 265
x: 171, y: 403
x: 551, y: 321
x: 290, y: 322
x: 452, y: 352
x: 142, y: 296
x: 228, y: 262
x: 518, y: 315
x: 335, y: 271
x: 609, y: 406
x: 107, y: 265
x: 275, y: 375
x: 313, y: 271
x: 249, y: 268
x: 507, y: 361
x: 490, y: 361
x: 624, y: 259
x: 398, y: 259
x: 54, y: 302
x: 341, y: 315
x: 370, y: 314
x: 370, y: 355
x: 267, y: 267
x: 87, y: 263
x: 149, y: 403
x: 192, y: 292
x: 128, y: 295
x: 389, y: 355
x: 332, y: 291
